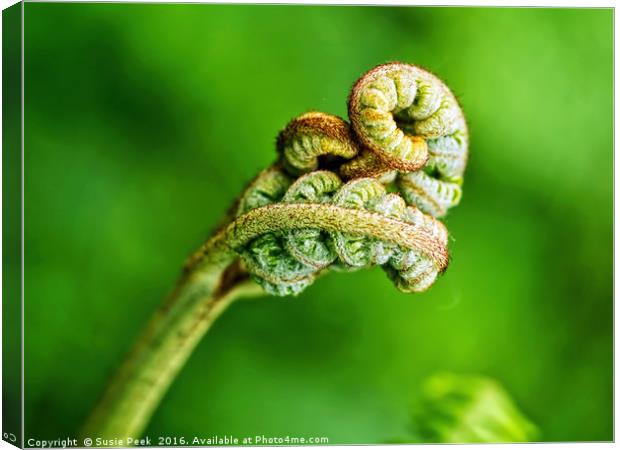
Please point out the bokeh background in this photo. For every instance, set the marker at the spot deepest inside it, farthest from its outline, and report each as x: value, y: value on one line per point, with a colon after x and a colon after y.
x: 143, y: 122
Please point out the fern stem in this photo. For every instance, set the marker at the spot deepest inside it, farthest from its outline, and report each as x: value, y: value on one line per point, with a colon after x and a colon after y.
x: 165, y: 344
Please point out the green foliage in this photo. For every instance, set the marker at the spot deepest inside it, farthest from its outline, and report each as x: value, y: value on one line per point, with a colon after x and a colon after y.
x: 457, y: 409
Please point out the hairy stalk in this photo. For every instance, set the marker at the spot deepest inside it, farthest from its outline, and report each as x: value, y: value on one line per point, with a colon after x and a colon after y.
x: 167, y: 341
x: 340, y: 197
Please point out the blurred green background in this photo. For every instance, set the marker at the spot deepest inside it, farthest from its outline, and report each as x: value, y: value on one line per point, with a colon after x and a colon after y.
x: 143, y: 122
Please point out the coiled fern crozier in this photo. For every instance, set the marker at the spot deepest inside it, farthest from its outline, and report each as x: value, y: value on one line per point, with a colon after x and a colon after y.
x: 340, y: 196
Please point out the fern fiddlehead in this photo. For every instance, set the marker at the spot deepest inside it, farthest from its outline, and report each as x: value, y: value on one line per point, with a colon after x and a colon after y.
x: 407, y: 119
x: 339, y: 197
x: 313, y: 135
x: 285, y: 261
